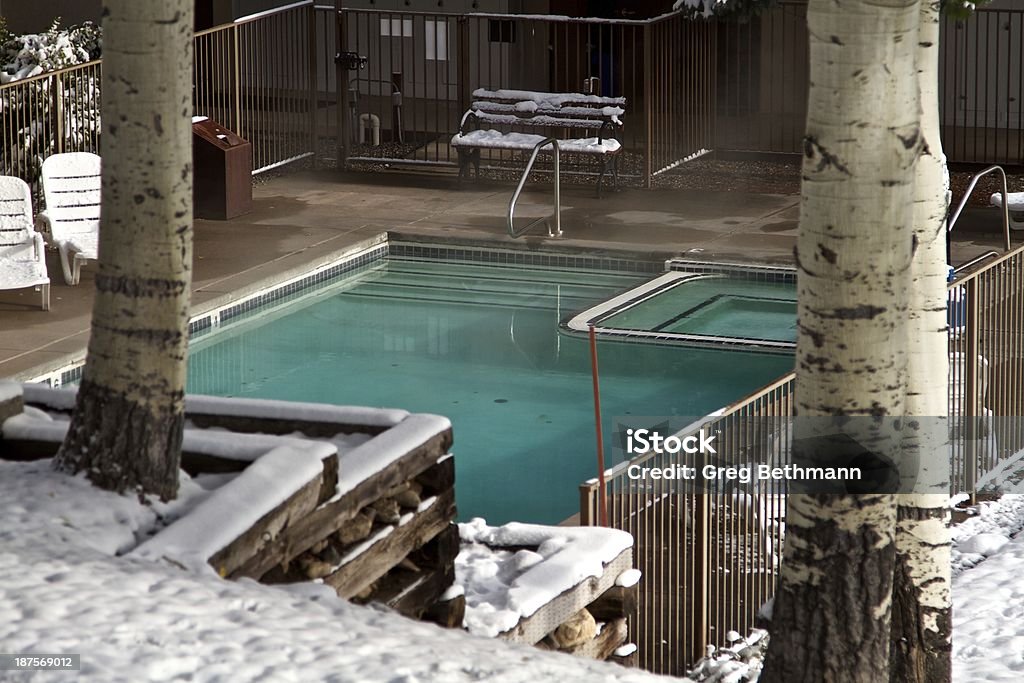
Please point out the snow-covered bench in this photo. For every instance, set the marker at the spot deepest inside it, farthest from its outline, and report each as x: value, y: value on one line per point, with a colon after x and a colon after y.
x: 1015, y: 203
x: 552, y: 115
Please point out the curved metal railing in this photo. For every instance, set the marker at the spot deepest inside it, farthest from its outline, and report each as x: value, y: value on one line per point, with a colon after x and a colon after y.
x: 963, y: 202
x: 557, y: 216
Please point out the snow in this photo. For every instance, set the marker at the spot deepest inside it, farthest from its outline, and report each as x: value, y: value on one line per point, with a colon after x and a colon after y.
x: 9, y: 390
x: 62, y: 590
x: 64, y: 399
x: 1004, y: 517
x: 626, y: 650
x: 376, y: 454
x: 547, y: 100
x: 493, y: 139
x: 988, y: 599
x: 629, y: 578
x: 504, y: 586
x: 231, y: 510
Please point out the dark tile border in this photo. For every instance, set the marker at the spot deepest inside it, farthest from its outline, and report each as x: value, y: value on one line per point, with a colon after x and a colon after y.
x: 514, y: 257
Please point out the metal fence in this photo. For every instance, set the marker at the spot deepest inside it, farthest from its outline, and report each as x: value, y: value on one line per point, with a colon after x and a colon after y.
x: 710, y: 557
x: 48, y: 114
x: 421, y: 70
x: 256, y: 76
x: 761, y: 103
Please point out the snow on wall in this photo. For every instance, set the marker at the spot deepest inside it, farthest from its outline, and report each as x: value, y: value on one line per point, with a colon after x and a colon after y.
x: 232, y: 509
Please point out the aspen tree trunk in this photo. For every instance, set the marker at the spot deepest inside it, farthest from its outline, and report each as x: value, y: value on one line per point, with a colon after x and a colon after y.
x: 921, y: 627
x: 832, y: 608
x: 126, y: 429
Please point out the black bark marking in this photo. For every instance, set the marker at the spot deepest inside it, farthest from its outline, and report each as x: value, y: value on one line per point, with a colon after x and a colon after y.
x: 925, y: 43
x: 173, y: 20
x: 862, y: 312
x: 910, y: 141
x: 817, y: 338
x: 835, y: 40
x: 139, y: 199
x: 143, y: 288
x: 154, y: 193
x: 812, y: 149
x: 828, y: 254
x: 158, y: 124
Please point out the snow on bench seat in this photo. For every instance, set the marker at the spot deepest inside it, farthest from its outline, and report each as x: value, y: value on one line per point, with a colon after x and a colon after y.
x: 1015, y: 204
x: 529, y: 107
x: 493, y: 139
x: 548, y: 99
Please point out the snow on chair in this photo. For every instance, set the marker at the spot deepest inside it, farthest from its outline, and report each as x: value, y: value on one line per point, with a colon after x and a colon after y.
x: 71, y: 186
x: 1015, y: 203
x: 22, y: 256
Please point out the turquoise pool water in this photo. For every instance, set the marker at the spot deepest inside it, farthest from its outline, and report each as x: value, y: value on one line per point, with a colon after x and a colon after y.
x: 722, y: 307
x: 479, y: 344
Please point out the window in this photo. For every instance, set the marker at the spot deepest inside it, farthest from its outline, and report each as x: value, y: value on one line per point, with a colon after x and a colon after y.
x: 398, y: 28
x: 436, y: 40
x: 501, y: 30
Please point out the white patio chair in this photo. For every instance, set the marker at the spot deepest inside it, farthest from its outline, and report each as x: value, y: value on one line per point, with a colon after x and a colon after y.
x: 22, y: 256
x: 71, y: 186
x: 1015, y: 204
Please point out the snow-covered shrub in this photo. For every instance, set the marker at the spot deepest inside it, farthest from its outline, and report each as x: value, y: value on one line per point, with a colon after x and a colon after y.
x: 29, y: 110
x: 35, y: 53
x: 738, y: 662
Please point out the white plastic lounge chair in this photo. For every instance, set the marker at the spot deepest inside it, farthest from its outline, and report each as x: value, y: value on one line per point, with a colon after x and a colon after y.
x: 22, y: 256
x: 1015, y: 202
x: 71, y: 185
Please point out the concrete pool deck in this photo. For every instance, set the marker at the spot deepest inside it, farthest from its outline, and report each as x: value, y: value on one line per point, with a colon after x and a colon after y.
x: 302, y: 219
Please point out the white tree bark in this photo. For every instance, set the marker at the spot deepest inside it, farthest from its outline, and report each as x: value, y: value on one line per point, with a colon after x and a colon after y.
x: 127, y: 426
x: 832, y: 608
x: 921, y: 637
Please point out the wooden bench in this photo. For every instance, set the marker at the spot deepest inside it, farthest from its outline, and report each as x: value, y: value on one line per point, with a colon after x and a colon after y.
x: 567, y: 117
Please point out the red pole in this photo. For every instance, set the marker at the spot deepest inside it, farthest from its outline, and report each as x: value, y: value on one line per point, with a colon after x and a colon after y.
x: 603, y: 509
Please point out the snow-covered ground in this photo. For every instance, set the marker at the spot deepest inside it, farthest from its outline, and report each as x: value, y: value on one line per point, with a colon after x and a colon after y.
x: 63, y: 590
x: 988, y: 593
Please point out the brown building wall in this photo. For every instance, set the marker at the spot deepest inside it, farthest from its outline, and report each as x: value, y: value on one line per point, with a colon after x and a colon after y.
x: 34, y: 16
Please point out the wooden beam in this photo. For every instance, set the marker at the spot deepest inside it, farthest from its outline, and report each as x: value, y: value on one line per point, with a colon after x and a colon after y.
x: 329, y: 517
x: 614, y: 603
x: 376, y: 560
x: 605, y: 643
x: 244, y: 555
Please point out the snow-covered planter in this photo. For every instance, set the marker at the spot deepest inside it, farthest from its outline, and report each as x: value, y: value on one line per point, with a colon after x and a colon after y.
x: 357, y: 499
x: 562, y: 588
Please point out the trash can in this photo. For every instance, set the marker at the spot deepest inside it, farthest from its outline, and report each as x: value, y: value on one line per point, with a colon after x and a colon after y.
x: 222, y: 163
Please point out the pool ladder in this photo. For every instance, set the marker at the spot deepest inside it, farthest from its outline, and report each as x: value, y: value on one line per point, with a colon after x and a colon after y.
x: 557, y: 215
x: 967, y: 195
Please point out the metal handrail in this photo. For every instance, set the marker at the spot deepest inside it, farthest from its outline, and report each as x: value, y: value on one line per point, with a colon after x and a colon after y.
x: 522, y: 182
x: 963, y: 202
x: 975, y: 261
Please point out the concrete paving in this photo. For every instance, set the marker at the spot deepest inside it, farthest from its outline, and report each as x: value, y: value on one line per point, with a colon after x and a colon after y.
x: 303, y: 219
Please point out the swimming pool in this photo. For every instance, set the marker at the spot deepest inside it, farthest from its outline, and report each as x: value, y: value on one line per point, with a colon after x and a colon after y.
x: 480, y: 344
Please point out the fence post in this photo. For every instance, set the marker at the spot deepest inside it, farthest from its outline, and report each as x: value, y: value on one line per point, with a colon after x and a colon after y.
x: 971, y: 398
x: 702, y: 567
x: 341, y: 78
x: 314, y: 85
x: 58, y: 106
x: 586, y: 505
x: 465, y: 91
x: 237, y: 127
x: 648, y: 106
